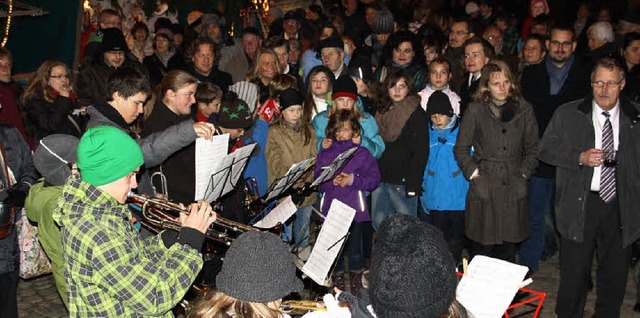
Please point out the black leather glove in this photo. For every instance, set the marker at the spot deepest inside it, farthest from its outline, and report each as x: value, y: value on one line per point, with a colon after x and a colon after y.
x: 297, y: 198
x: 15, y: 197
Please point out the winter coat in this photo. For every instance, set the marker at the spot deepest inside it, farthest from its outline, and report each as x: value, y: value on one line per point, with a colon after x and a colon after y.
x: 366, y: 177
x: 216, y: 77
x: 157, y: 70
x: 371, y: 139
x: 571, y: 132
x: 110, y: 270
x: 19, y: 160
x: 286, y: 147
x: 535, y: 89
x: 92, y: 81
x: 156, y: 147
x: 46, y: 118
x: 39, y: 206
x: 179, y: 168
x: 443, y: 184
x: 505, y: 156
x: 405, y: 158
x: 257, y: 165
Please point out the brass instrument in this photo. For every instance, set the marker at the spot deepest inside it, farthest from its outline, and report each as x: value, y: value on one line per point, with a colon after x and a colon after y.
x: 251, y: 195
x: 160, y: 214
x: 303, y: 305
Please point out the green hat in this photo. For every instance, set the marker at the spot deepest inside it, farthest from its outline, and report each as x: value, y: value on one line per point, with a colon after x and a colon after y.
x: 106, y: 154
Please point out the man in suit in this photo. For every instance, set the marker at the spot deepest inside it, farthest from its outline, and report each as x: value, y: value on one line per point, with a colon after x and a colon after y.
x: 477, y: 53
x: 560, y: 78
x: 593, y: 143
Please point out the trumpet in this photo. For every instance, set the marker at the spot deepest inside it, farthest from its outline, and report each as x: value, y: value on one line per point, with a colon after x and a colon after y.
x: 160, y: 214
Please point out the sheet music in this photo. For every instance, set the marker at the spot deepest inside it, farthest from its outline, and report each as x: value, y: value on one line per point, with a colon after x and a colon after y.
x: 279, y: 214
x: 329, y: 171
x: 329, y: 241
x: 208, y: 157
x: 240, y: 160
x: 489, y: 286
x: 284, y: 183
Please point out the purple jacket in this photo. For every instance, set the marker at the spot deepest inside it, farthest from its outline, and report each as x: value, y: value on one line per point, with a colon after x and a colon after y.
x: 366, y: 178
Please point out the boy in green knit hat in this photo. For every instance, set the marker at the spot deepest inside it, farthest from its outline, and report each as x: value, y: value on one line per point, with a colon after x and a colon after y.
x: 110, y: 270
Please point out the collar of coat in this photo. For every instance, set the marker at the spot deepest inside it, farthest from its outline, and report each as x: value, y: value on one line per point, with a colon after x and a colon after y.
x: 628, y: 108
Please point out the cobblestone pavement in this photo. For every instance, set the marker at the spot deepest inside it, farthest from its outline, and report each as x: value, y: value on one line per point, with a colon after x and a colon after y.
x: 39, y: 298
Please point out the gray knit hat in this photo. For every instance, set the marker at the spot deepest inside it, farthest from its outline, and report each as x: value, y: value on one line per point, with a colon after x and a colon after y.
x: 246, y: 91
x: 258, y: 268
x: 382, y: 22
x: 412, y: 270
x: 53, y: 157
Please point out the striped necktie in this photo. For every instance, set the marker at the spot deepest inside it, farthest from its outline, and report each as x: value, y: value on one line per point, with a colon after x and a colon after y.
x: 607, y: 173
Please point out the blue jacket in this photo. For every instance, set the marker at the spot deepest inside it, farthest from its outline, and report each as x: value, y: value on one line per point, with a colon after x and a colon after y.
x: 371, y: 139
x: 444, y: 186
x: 257, y: 165
x: 366, y: 177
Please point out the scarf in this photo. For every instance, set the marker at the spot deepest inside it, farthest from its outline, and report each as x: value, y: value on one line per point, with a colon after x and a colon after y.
x: 503, y: 110
x: 165, y: 57
x: 391, y: 122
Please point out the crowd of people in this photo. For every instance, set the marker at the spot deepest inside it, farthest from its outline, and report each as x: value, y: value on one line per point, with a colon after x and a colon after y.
x: 513, y: 136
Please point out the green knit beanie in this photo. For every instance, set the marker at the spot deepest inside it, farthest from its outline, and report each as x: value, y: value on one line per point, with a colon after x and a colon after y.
x: 106, y: 154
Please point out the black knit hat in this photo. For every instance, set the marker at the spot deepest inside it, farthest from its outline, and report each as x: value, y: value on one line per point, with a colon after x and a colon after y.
x: 332, y: 41
x: 360, y: 67
x: 292, y: 15
x: 54, y: 156
x: 412, y: 270
x: 344, y: 86
x: 439, y: 104
x: 234, y: 113
x: 382, y: 22
x: 258, y: 268
x: 290, y: 97
x: 113, y: 40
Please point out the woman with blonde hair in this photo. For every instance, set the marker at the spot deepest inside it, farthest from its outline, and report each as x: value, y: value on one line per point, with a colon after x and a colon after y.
x: 49, y: 102
x: 264, y: 69
x: 502, y: 129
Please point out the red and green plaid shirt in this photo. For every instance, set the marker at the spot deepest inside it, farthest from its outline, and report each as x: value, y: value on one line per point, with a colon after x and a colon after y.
x: 110, y: 270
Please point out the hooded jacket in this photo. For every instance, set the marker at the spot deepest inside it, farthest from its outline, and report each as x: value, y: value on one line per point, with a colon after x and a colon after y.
x: 366, y: 177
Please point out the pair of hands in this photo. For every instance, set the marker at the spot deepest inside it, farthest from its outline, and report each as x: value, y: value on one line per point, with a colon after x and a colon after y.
x: 326, y: 143
x: 343, y: 179
x: 200, y: 216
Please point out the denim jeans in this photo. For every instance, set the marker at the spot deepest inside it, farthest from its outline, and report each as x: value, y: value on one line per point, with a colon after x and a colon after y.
x: 353, y: 248
x: 301, y: 227
x: 540, y: 205
x: 388, y: 199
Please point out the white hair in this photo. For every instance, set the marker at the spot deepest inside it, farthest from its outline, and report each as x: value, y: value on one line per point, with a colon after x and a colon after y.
x: 602, y: 31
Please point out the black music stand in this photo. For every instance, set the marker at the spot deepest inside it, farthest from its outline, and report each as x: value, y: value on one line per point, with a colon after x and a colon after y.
x: 282, y: 184
x: 329, y: 172
x: 226, y: 177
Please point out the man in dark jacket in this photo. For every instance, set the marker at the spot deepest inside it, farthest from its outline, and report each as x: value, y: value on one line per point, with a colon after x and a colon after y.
x: 560, y: 78
x: 92, y: 82
x: 597, y: 193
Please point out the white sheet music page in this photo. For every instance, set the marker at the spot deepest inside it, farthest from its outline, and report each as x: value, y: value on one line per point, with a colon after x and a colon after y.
x: 280, y: 214
x: 208, y: 157
x: 240, y: 160
x: 329, y: 241
x: 489, y: 286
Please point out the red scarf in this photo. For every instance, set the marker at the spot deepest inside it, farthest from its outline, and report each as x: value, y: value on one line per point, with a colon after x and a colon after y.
x: 54, y: 93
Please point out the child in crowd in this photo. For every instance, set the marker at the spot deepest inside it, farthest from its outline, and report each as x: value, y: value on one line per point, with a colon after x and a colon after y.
x: 271, y: 108
x: 360, y: 72
x: 319, y: 87
x: 439, y: 76
x: 208, y: 100
x: 444, y: 186
x: 291, y: 140
x: 240, y: 293
x: 358, y: 175
x: 345, y: 94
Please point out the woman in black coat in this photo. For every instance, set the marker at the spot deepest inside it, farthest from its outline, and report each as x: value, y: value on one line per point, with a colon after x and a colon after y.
x: 49, y: 103
x: 164, y: 58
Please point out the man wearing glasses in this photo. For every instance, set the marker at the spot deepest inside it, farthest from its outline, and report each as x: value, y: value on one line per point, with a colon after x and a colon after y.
x: 461, y: 31
x: 593, y: 143
x: 560, y: 78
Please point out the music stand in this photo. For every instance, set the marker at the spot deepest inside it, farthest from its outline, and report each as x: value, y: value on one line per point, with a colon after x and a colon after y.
x: 282, y: 184
x: 330, y: 171
x: 225, y: 178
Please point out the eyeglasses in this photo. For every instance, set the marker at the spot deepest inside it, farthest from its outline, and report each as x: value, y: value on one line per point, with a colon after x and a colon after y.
x: 563, y: 44
x: 60, y: 76
x: 600, y: 84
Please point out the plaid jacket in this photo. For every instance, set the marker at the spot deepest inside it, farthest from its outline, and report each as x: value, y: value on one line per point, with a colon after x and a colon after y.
x: 109, y: 269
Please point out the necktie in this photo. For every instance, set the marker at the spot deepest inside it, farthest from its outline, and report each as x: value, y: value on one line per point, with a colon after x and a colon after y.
x: 473, y: 79
x: 607, y: 173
